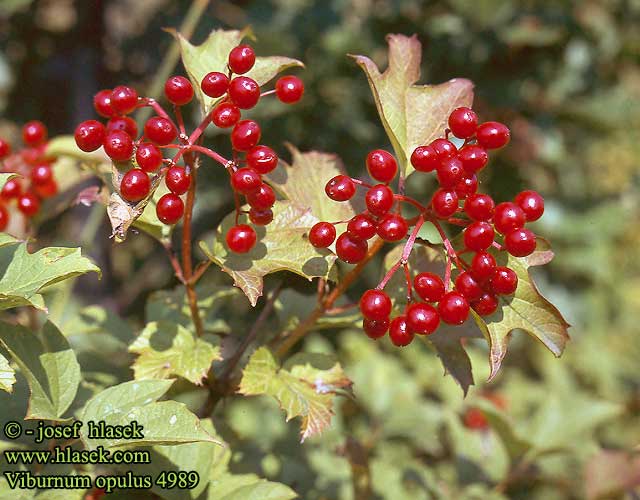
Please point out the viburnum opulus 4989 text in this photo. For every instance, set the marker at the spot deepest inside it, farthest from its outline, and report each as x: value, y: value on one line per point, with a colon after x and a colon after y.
x: 478, y: 280
x: 146, y: 153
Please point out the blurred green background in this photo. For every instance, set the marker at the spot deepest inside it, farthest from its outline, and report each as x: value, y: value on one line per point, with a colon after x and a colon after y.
x: 564, y: 75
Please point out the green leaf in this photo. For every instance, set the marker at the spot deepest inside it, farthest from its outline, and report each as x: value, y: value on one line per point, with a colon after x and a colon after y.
x: 303, y: 183
x: 7, y: 375
x: 281, y: 246
x: 49, y: 365
x: 65, y: 145
x: 165, y: 423
x: 248, y: 487
x: 303, y: 391
x: 526, y: 310
x: 4, y: 178
x: 165, y: 349
x: 412, y: 115
x: 213, y: 54
x: 6, y: 493
x: 27, y: 274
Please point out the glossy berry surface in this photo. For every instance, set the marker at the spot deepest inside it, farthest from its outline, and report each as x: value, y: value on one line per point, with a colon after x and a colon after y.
x: 261, y: 198
x: 479, y: 207
x: 425, y: 159
x: 124, y: 99
x: 463, y: 122
x: 177, y: 180
x: 102, y: 104
x: 468, y: 286
x: 34, y: 133
x: 473, y: 157
x: 531, y: 203
x: 245, y: 135
x: 520, y: 242
x: 486, y: 305
x: 244, y: 92
x: 124, y: 123
x: 289, y: 89
x: 28, y: 204
x: 422, y: 319
x: 375, y: 329
x: 45, y: 190
x: 508, y: 217
x: 241, y: 238
x: 444, y: 203
x: 362, y: 226
x: 382, y: 166
x: 215, y: 84
x: 241, y: 59
x: 504, y: 281
x: 178, y: 90
x: 260, y: 217
x: 483, y: 266
x: 225, y: 115
x: 466, y: 187
x: 340, y: 188
x: 245, y: 180
x: 392, y: 227
x: 322, y: 234
x: 262, y: 159
x: 135, y: 185
x: 449, y: 172
x: 429, y: 286
x: 89, y: 135
x: 11, y: 189
x: 375, y: 305
x: 493, y: 135
x: 444, y: 148
x: 478, y: 236
x: 41, y: 174
x: 160, y: 130
x: 170, y: 208
x: 399, y: 332
x: 118, y: 146
x: 351, y: 250
x: 453, y: 308
x: 148, y: 157
x: 5, y: 149
x: 379, y: 199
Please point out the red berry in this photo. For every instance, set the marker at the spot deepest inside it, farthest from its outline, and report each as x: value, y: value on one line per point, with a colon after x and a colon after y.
x: 508, y: 217
x: 492, y: 135
x: 262, y: 159
x: 478, y: 236
x: 241, y: 238
x: 425, y: 159
x: 379, y: 199
x: 123, y: 123
x: 178, y: 90
x: 375, y: 329
x: 245, y: 135
x: 340, y: 188
x: 289, y: 89
x: 468, y: 287
x: 444, y: 203
x: 102, y: 103
x: 467, y: 186
x: 381, y: 165
x: 89, y: 135
x: 29, y: 204
x: 486, y: 305
x: 504, y: 281
x: 453, y: 308
x: 473, y: 158
x: 260, y: 217
x: 429, y: 287
x: 148, y: 157
x: 34, y: 133
x: 170, y: 208
x: 11, y: 189
x: 41, y: 174
x: 46, y: 190
x: 241, y: 59
x: 262, y: 197
x: 362, y: 226
x: 5, y: 149
x: 244, y: 92
x: 351, y: 250
x: 392, y: 227
x: 520, y: 242
x: 375, y: 305
x: 118, y: 146
x: 322, y: 234
x: 160, y: 130
x: 135, y: 185
x: 215, y: 84
x: 124, y: 99
x: 531, y: 203
x: 450, y: 172
x: 225, y: 115
x: 422, y: 319
x: 475, y: 419
x: 479, y: 207
x: 399, y: 332
x: 177, y: 180
x: 463, y: 122
x: 444, y: 148
x: 483, y: 266
x: 245, y: 180
x: 4, y: 217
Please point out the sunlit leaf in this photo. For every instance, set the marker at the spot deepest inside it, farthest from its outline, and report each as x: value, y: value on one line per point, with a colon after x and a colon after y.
x: 7, y: 375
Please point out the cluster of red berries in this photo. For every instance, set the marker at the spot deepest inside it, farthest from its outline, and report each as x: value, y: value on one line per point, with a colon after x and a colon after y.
x: 479, y: 281
x: 34, y: 181
x: 250, y: 162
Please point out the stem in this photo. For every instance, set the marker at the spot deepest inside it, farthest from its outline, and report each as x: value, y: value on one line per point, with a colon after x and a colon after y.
x: 405, y: 254
x: 411, y: 201
x: 173, y: 258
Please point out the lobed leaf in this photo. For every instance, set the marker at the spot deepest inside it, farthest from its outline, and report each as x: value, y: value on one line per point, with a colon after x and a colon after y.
x: 411, y: 114
x: 302, y: 391
x: 49, y: 365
